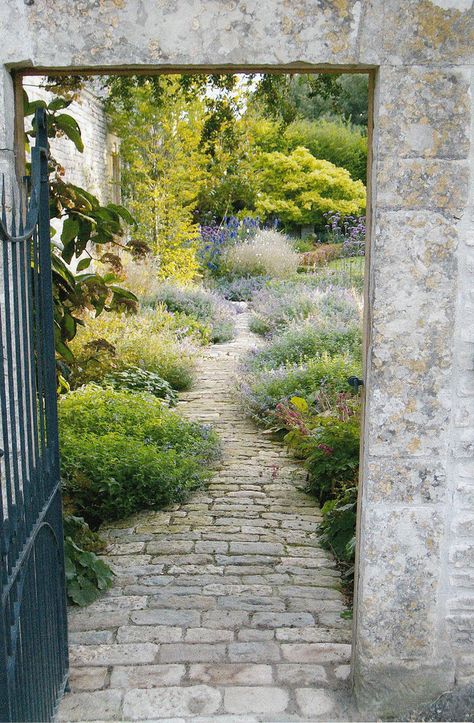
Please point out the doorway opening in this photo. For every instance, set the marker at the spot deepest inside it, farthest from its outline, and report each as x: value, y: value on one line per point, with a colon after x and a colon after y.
x: 240, y: 229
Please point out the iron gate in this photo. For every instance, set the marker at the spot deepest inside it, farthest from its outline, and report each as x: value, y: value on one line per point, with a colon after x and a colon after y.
x: 33, y: 633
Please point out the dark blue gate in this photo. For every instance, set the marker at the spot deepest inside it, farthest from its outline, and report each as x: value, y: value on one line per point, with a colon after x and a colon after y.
x: 33, y: 632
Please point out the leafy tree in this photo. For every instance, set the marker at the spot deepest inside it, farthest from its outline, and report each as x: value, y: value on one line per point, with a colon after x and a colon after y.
x: 298, y: 188
x: 286, y: 98
x: 332, y: 141
x: 87, y: 227
x: 217, y: 92
x: 164, y: 170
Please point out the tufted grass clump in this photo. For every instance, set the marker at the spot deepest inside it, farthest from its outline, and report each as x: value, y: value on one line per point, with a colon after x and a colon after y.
x: 268, y: 253
x: 298, y: 343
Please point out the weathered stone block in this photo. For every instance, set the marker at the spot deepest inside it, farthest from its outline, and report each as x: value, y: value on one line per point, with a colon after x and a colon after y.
x: 149, y: 634
x: 93, y: 705
x: 146, y: 676
x: 231, y: 674
x: 426, y: 32
x: 158, y: 616
x: 87, y: 679
x: 400, y: 482
x: 316, y: 652
x: 171, y: 702
x: 402, y: 594
x: 259, y: 548
x: 433, y: 119
x: 422, y: 184
x: 301, y: 674
x: 255, y: 700
x: 96, y: 621
x: 225, y: 619
x: 314, y: 703
x: 195, y: 653
x: 279, y: 620
x: 118, y: 654
x: 208, y: 635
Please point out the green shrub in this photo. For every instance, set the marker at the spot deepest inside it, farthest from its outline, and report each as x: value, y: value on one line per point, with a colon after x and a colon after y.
x: 262, y: 391
x: 339, y: 143
x: 331, y: 453
x: 86, y: 575
x: 123, y: 451
x: 152, y: 340
x: 140, y: 380
x: 298, y: 343
x: 300, y: 189
x: 337, y: 530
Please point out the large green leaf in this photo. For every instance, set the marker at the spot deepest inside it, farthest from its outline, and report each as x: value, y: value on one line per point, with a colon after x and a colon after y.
x: 69, y: 126
x: 58, y: 103
x: 70, y: 230
x: 84, y: 264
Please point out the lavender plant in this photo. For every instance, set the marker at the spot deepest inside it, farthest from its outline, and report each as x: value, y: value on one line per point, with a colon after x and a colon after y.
x: 240, y: 288
x: 198, y: 304
x: 216, y: 238
x: 350, y: 231
x: 282, y: 303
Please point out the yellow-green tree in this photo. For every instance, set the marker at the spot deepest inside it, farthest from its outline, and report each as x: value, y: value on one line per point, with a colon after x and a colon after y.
x: 298, y: 188
x: 164, y: 170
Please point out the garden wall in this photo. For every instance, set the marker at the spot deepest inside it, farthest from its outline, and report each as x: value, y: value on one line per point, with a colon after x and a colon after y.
x: 414, y: 619
x: 93, y: 168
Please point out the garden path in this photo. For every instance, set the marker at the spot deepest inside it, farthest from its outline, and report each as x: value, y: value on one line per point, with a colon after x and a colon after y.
x: 223, y: 608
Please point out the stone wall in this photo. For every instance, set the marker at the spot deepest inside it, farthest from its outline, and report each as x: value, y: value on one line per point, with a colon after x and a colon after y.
x: 414, y: 616
x: 91, y: 169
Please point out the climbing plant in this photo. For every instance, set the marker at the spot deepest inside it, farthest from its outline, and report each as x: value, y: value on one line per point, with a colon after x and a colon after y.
x: 89, y: 231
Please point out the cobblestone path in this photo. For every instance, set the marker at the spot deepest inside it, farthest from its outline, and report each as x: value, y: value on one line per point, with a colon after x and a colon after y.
x: 225, y: 608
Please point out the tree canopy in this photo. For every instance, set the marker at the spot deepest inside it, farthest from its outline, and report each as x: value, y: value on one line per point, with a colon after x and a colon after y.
x: 299, y: 189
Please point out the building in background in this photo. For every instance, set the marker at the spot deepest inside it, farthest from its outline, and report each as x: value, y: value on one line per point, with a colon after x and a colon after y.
x: 97, y: 168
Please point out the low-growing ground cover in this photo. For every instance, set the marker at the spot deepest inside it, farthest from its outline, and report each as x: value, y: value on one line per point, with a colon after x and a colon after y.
x: 319, y: 377
x: 125, y: 451
x: 237, y: 288
x: 300, y: 342
x: 122, y: 448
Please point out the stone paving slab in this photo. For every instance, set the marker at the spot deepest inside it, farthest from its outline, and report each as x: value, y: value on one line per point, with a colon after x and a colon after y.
x: 225, y: 608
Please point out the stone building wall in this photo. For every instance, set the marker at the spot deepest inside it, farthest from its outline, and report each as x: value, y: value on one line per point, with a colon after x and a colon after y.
x: 414, y: 614
x: 91, y: 169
